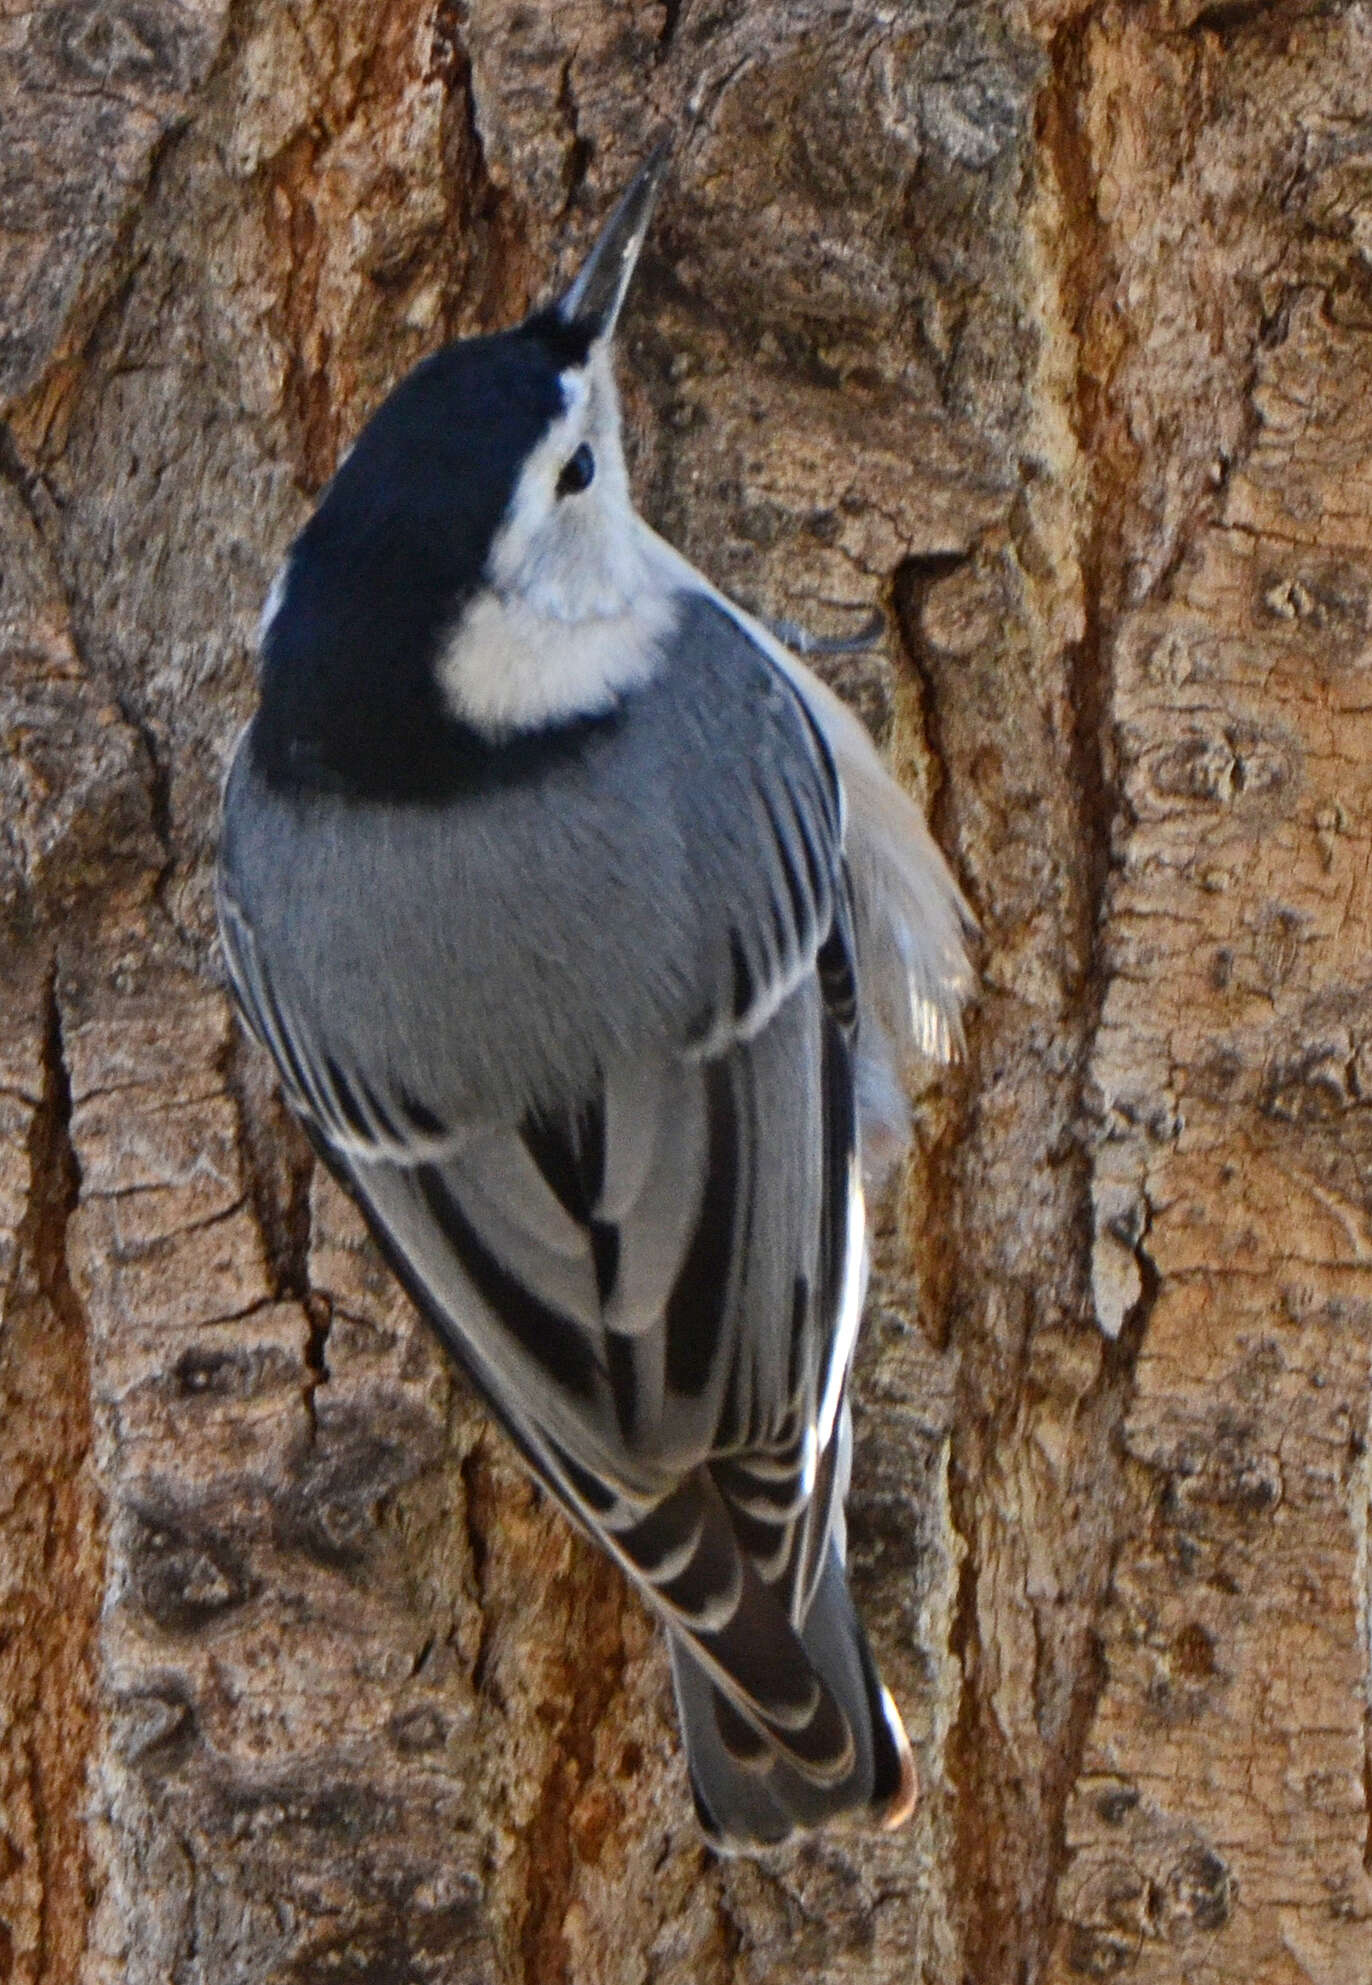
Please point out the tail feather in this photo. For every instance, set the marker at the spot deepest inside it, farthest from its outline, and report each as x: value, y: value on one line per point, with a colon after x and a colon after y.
x: 747, y: 1795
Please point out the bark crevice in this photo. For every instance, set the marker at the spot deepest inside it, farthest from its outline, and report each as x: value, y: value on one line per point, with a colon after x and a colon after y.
x: 50, y: 1541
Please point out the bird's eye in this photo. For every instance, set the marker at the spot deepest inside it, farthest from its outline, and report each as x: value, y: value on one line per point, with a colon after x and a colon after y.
x: 578, y: 472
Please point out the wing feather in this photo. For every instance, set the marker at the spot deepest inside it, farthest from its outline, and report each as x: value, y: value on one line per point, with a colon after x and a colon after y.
x: 912, y: 919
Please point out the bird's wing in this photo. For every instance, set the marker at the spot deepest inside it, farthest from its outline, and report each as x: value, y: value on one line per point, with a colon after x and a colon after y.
x: 658, y: 1294
x: 912, y: 921
x: 658, y: 1284
x: 353, y: 1112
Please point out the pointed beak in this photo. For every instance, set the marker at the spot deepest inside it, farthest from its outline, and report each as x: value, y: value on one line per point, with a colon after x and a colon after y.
x: 594, y: 299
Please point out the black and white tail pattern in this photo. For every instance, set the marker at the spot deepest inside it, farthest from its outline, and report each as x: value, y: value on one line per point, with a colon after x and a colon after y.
x: 751, y: 1793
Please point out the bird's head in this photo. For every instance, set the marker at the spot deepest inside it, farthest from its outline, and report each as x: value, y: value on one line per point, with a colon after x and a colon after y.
x: 476, y: 561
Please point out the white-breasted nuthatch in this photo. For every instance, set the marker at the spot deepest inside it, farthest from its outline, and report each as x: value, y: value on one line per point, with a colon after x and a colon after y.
x: 589, y: 937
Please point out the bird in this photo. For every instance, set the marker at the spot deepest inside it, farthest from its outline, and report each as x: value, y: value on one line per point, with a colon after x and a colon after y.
x: 593, y: 943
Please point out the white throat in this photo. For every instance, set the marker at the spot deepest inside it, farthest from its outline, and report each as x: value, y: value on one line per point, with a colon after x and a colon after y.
x: 578, y: 601
x: 515, y: 662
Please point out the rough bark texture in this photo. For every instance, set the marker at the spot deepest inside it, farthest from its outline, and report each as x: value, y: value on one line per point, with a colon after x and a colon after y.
x: 1048, y: 327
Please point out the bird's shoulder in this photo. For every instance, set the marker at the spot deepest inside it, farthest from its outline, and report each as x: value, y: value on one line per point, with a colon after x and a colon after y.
x: 663, y: 879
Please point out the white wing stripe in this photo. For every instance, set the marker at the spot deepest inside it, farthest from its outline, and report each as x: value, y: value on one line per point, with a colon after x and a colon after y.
x: 854, y: 1289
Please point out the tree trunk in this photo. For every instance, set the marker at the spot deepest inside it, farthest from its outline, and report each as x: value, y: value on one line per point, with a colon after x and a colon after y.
x: 1051, y: 332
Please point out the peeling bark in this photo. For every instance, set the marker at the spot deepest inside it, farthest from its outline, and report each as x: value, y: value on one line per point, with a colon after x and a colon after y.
x: 1045, y: 327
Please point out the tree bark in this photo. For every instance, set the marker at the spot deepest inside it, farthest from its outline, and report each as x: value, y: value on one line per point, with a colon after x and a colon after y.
x: 1049, y: 328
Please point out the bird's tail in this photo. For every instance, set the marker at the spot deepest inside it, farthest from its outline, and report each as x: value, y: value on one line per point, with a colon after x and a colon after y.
x: 746, y: 1795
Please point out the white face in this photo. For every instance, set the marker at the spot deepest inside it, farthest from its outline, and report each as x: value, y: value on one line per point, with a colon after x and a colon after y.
x: 576, y: 605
